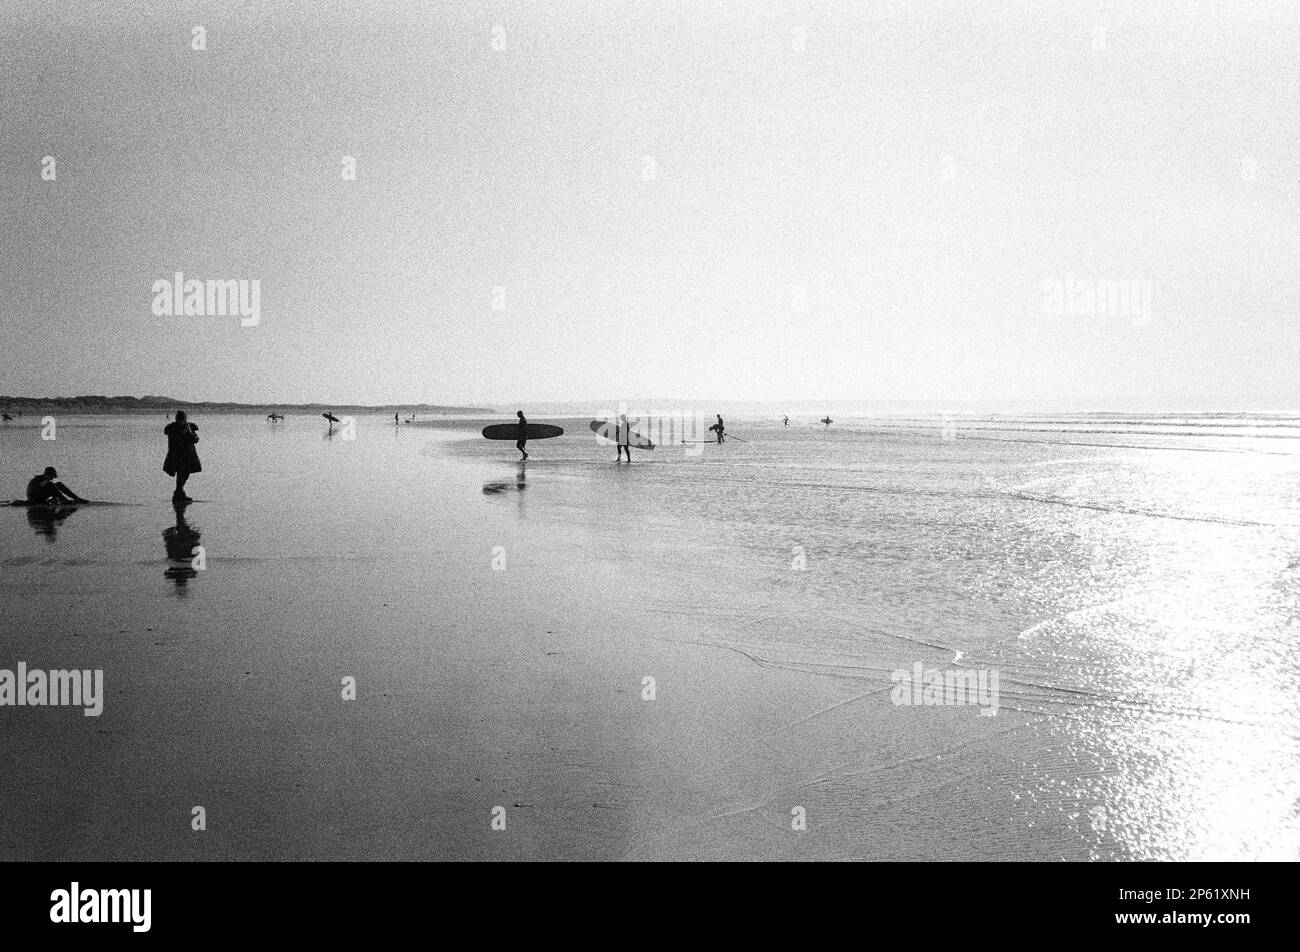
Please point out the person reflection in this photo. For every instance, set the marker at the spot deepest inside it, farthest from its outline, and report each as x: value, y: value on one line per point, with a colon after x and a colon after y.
x: 180, y: 540
x: 45, y: 520
x: 498, y: 486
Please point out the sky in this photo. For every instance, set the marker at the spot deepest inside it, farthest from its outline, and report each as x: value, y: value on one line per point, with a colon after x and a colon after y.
x: 654, y: 201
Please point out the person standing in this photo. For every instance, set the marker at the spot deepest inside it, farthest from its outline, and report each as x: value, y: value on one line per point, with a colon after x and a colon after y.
x: 182, y: 458
x: 523, y: 434
x: 786, y: 421
x: 719, y: 428
x: 623, y: 437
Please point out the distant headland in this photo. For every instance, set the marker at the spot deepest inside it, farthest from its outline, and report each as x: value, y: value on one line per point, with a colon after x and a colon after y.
x: 151, y: 404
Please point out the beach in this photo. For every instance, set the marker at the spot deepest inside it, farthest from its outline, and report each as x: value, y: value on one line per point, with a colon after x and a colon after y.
x: 1131, y: 581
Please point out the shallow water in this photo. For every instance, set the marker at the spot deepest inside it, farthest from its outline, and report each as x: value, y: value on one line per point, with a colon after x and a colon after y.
x: 1134, y: 582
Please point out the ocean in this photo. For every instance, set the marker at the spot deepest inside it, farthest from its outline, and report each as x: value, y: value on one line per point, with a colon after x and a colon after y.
x: 1120, y: 593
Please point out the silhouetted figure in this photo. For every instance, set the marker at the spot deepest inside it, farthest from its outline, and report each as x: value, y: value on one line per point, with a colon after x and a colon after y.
x: 826, y: 421
x: 523, y: 433
x: 275, y: 417
x: 179, y: 541
x: 719, y: 428
x: 44, y: 489
x: 623, y: 437
x: 182, y: 458
x: 785, y: 421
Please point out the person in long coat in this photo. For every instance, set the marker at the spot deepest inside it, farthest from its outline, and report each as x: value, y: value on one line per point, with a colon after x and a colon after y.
x: 182, y: 458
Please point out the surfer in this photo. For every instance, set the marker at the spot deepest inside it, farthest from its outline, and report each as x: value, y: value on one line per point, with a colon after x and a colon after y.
x: 44, y: 489
x: 826, y: 421
x: 182, y: 459
x: 523, y: 433
x: 395, y: 420
x: 785, y: 421
x: 623, y: 437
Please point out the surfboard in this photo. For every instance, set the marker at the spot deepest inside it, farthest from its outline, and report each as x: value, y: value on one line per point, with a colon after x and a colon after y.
x: 331, y: 417
x: 512, y: 431
x: 64, y: 505
x: 608, y: 430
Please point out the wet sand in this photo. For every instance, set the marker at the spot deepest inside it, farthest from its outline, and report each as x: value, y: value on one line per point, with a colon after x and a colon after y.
x: 522, y: 687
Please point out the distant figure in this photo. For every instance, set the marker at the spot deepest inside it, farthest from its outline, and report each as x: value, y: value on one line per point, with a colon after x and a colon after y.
x: 785, y: 421
x: 523, y: 433
x: 44, y: 489
x: 623, y: 437
x: 182, y: 458
x: 395, y: 420
x: 275, y: 417
x: 826, y: 421
x: 411, y: 418
x: 719, y: 428
x: 331, y: 417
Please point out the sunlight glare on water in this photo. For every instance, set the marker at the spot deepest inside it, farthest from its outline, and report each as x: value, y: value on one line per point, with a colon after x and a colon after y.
x: 1134, y: 584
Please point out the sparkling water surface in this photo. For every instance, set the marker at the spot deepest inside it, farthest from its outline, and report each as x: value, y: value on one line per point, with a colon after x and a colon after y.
x: 1132, y: 579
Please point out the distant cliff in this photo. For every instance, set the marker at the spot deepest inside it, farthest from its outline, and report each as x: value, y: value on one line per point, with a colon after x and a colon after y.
x: 97, y: 404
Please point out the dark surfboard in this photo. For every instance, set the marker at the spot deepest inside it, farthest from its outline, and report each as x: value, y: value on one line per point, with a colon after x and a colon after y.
x: 514, y: 432
x: 64, y: 505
